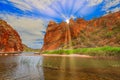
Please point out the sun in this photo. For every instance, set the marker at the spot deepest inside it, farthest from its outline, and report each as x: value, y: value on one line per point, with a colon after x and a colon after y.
x: 67, y: 20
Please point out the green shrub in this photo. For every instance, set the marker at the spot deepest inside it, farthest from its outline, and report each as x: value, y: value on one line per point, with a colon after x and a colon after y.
x: 98, y: 51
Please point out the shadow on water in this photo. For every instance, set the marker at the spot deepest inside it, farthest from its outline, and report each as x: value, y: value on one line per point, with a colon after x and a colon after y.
x: 58, y: 68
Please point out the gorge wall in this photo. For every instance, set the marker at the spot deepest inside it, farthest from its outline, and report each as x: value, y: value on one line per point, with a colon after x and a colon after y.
x: 9, y: 39
x: 103, y: 31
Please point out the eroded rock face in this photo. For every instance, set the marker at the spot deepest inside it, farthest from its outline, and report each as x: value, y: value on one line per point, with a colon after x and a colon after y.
x: 9, y: 39
x: 98, y: 32
x: 59, y: 34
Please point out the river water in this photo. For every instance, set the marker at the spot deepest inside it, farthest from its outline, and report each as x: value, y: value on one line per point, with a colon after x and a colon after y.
x: 25, y: 67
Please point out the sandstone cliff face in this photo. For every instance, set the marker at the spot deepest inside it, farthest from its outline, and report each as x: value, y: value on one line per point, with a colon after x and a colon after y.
x: 9, y: 39
x: 59, y: 34
x: 104, y: 31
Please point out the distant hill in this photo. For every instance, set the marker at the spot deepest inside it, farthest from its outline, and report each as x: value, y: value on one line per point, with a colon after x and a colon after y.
x: 103, y: 31
x: 10, y: 40
x: 28, y: 49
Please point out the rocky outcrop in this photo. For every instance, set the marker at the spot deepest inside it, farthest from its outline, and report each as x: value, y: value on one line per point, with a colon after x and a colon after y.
x: 9, y: 39
x: 60, y: 34
x: 102, y: 31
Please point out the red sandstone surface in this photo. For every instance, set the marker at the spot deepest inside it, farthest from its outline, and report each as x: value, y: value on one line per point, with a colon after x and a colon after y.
x: 81, y: 33
x: 9, y: 39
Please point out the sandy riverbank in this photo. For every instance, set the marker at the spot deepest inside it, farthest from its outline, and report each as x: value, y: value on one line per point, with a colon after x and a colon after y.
x: 54, y: 55
x: 71, y: 55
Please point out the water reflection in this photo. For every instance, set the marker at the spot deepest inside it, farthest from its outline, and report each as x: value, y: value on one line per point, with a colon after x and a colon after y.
x: 21, y: 68
x: 26, y: 67
x: 76, y: 68
x: 66, y: 67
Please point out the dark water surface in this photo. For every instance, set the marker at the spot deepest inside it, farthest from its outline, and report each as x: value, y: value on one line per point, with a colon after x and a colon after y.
x: 58, y: 68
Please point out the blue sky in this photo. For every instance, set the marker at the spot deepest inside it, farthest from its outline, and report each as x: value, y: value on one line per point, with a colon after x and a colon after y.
x: 30, y: 17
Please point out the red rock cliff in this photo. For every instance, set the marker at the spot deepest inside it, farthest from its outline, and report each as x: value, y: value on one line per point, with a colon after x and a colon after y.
x: 9, y: 39
x: 80, y: 33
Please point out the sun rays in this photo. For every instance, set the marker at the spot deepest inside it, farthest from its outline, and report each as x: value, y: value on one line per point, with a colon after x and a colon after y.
x: 63, y: 10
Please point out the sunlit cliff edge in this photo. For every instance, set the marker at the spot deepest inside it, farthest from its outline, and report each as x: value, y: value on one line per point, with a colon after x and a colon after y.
x: 79, y: 33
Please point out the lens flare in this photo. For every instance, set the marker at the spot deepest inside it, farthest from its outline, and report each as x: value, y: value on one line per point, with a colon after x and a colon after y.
x: 67, y: 21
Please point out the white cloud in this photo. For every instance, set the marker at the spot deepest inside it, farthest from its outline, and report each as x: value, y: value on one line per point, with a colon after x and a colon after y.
x: 30, y: 4
x: 111, y: 3
x: 21, y: 4
x: 43, y: 4
x: 94, y: 2
x: 28, y: 28
x: 113, y: 10
x: 116, y: 9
